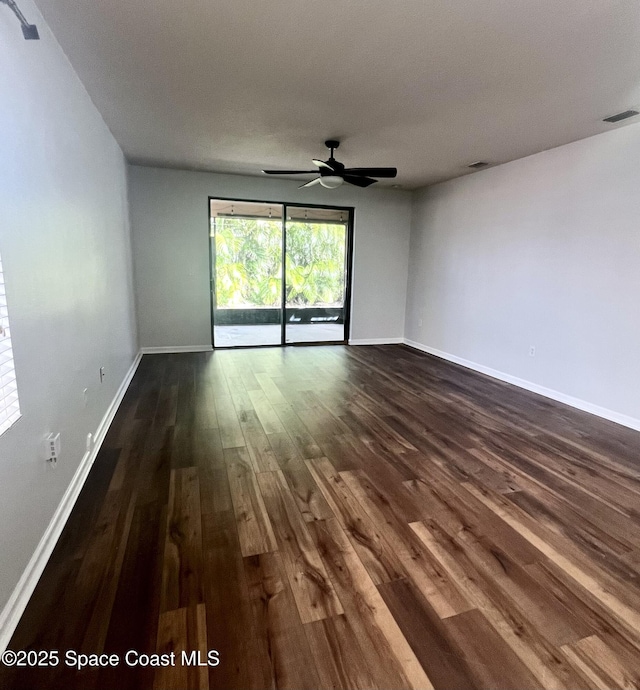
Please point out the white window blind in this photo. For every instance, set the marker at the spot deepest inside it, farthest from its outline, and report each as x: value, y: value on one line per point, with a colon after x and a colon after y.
x: 9, y: 405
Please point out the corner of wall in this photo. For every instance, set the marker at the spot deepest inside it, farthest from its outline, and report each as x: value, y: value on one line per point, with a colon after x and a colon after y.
x: 131, y: 261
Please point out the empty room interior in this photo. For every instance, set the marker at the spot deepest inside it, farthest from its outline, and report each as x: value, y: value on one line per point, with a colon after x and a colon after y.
x: 320, y: 345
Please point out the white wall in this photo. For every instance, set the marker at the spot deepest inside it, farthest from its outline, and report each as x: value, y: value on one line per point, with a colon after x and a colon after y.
x: 543, y: 251
x: 169, y: 220
x: 65, y: 247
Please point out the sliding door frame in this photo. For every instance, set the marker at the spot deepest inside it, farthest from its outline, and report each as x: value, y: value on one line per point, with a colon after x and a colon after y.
x: 350, y: 224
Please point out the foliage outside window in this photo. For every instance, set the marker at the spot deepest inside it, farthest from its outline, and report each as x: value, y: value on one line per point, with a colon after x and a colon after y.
x: 249, y: 263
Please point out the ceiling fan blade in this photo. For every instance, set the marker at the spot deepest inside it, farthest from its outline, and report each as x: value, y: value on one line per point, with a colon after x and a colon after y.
x: 289, y: 172
x: 372, y: 172
x: 322, y: 164
x: 310, y: 183
x: 359, y: 181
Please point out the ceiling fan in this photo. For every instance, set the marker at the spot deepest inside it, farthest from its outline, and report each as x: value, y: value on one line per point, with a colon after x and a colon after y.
x: 333, y: 173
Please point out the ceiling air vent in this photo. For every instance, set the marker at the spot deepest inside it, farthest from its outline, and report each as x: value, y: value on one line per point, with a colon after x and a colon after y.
x: 478, y: 164
x: 621, y: 116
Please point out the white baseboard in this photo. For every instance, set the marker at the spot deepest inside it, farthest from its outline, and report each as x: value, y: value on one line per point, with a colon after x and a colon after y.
x: 579, y: 404
x: 10, y: 615
x: 376, y: 341
x: 174, y: 349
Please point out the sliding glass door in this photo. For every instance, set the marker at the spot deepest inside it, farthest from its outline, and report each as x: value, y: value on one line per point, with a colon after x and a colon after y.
x: 246, y: 262
x: 315, y: 276
x: 279, y: 273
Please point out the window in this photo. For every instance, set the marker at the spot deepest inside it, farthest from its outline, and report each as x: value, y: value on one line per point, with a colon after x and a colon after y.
x: 9, y: 405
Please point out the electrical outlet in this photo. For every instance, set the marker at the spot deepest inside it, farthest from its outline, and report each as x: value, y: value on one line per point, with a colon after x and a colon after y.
x: 102, y: 374
x: 52, y: 449
x: 532, y: 351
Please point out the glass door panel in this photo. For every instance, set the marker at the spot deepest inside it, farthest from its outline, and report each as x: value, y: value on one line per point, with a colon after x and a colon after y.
x: 315, y: 274
x: 246, y: 273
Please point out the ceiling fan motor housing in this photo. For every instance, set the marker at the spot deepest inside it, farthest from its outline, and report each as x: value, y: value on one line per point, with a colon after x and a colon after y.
x: 336, y: 168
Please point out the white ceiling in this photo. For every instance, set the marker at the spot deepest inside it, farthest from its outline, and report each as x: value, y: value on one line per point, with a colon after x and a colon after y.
x: 425, y: 85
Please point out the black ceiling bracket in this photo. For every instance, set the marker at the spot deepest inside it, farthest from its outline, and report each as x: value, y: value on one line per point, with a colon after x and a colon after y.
x: 29, y: 31
x: 333, y: 145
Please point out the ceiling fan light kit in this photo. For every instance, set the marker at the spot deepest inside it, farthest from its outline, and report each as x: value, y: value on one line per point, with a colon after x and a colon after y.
x: 331, y: 181
x: 333, y: 174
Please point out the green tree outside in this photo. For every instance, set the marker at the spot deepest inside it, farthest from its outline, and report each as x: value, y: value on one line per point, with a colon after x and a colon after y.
x: 249, y: 263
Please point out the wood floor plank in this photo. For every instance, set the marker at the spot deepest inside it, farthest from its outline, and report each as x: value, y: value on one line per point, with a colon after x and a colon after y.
x: 288, y: 456
x: 172, y: 638
x: 232, y: 628
x: 182, y: 631
x: 197, y: 632
x: 229, y: 424
x: 429, y: 637
x: 492, y: 662
x: 266, y: 414
x: 387, y: 651
x: 520, y: 635
x: 254, y: 527
x: 307, y: 495
x: 586, y: 516
x: 319, y: 420
x: 298, y: 432
x: 280, y: 633
x: 273, y: 393
x: 133, y: 623
x: 184, y: 445
x: 155, y: 466
x: 312, y: 589
x: 215, y: 495
x: 459, y: 509
x: 209, y: 460
x: 99, y: 571
x: 338, y: 449
x: 590, y: 579
x: 374, y: 551
x: 205, y: 415
x: 513, y: 582
x: 435, y: 584
x: 96, y: 631
x: 597, y: 677
x: 602, y: 665
x: 182, y: 571
x: 339, y: 658
x: 258, y: 445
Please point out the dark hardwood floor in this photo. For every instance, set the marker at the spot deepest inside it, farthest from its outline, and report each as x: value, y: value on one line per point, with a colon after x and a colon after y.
x: 333, y: 517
